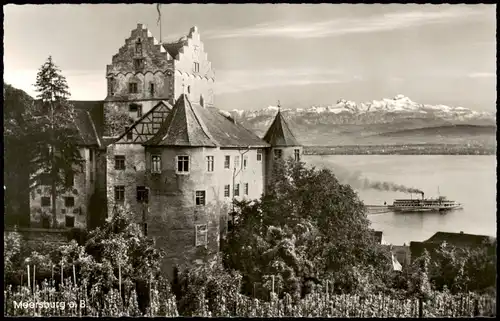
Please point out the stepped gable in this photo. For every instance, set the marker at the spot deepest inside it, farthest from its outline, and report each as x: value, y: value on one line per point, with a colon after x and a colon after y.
x: 182, y: 127
x: 279, y: 134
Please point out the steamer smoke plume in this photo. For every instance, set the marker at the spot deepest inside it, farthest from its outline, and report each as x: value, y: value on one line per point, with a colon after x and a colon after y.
x: 356, y: 181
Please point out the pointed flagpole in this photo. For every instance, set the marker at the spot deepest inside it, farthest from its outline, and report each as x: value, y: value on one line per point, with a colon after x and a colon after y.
x: 158, y: 5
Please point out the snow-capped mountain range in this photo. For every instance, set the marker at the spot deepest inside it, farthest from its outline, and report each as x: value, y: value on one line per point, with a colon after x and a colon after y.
x: 376, y: 111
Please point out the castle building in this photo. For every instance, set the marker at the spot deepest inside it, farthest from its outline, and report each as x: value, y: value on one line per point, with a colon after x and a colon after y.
x: 168, y: 154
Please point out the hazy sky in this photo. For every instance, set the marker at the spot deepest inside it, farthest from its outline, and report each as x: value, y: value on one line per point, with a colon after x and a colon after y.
x: 298, y: 54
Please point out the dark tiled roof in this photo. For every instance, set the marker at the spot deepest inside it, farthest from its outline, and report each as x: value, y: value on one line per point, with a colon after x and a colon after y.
x: 86, y: 128
x: 226, y: 132
x: 279, y: 134
x: 174, y: 47
x: 84, y: 122
x: 182, y: 128
x: 190, y: 124
x: 417, y: 249
x: 96, y: 111
x: 460, y: 239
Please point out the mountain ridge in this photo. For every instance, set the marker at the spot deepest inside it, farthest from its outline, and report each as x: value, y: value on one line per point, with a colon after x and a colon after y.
x: 350, y: 123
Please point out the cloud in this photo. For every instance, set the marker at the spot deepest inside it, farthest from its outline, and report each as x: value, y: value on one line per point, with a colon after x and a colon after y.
x: 232, y: 81
x: 482, y: 75
x: 342, y: 26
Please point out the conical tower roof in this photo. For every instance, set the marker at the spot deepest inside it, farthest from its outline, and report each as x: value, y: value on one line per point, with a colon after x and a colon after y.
x: 279, y: 134
x: 182, y: 127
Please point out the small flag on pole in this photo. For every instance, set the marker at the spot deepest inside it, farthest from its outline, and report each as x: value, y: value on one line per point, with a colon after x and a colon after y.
x: 159, y: 12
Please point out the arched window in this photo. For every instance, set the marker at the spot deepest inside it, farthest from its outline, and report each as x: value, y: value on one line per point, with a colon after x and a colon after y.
x: 202, y: 103
x: 138, y: 47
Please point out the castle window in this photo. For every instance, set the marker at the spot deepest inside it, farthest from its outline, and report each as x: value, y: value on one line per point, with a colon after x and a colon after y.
x: 196, y: 67
x: 111, y: 85
x: 182, y: 164
x: 132, y: 88
x: 70, y: 221
x: 259, y: 155
x: 201, y: 235
x: 245, y: 162
x: 138, y: 63
x: 156, y: 164
x: 200, y: 198
x: 45, y: 179
x: 91, y: 155
x: 237, y: 190
x: 226, y: 190
x: 142, y: 194
x: 129, y: 135
x: 236, y: 162
x: 246, y: 189
x: 138, y: 47
x: 119, y: 162
x: 69, y: 179
x: 135, y: 108
x: 189, y: 89
x: 45, y: 201
x: 152, y: 89
x: 278, y: 153
x: 69, y: 201
x: 210, y: 163
x: 296, y: 153
x: 119, y: 193
x: 145, y: 227
x: 227, y: 161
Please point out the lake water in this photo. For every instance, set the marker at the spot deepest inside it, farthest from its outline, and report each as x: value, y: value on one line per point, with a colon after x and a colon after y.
x: 470, y: 180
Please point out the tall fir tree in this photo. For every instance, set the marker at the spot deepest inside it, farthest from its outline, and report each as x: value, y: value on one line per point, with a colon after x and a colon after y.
x: 56, y: 156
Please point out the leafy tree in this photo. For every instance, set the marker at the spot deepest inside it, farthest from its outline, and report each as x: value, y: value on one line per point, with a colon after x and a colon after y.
x: 207, y: 285
x: 307, y: 227
x: 52, y: 133
x: 463, y: 269
x: 16, y: 108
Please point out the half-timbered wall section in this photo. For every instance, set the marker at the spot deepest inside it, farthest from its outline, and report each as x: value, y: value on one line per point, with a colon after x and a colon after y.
x: 125, y: 159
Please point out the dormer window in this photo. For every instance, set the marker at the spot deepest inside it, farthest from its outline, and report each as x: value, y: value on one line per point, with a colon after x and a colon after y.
x: 138, y: 47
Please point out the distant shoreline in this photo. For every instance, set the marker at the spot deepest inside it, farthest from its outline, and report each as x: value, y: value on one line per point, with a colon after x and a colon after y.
x: 410, y: 149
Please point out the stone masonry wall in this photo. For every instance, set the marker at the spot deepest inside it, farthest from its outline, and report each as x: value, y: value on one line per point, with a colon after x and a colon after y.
x: 172, y: 211
x: 82, y: 189
x: 130, y: 178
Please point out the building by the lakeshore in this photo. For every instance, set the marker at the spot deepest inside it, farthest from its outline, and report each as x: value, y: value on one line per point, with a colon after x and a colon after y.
x: 158, y: 146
